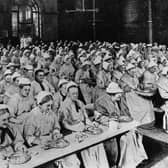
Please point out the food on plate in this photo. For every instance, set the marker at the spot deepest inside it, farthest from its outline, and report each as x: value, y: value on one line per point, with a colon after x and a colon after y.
x: 19, y: 158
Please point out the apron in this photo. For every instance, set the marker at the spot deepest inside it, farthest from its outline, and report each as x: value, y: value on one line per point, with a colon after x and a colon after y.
x: 141, y: 109
x: 95, y: 157
x: 132, y: 150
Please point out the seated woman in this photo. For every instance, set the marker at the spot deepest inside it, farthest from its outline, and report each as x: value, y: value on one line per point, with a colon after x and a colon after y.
x: 10, y: 138
x: 21, y: 104
x: 43, y: 125
x: 132, y: 151
x: 75, y: 119
x: 60, y: 96
x: 140, y: 107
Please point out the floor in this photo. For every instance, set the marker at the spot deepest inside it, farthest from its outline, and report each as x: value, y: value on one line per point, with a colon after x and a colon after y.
x: 156, y: 145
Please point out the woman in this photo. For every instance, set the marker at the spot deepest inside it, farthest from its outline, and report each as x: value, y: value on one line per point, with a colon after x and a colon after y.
x: 60, y: 96
x: 140, y: 108
x: 43, y: 125
x: 75, y: 119
x: 13, y: 88
x: 40, y: 84
x: 83, y: 78
x: 20, y: 104
x: 131, y: 148
x: 10, y: 138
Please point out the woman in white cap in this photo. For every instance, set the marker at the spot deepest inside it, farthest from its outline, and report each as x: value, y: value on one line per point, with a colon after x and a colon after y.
x: 40, y: 84
x: 67, y: 70
x: 131, y: 147
x: 43, y: 125
x: 140, y: 108
x: 21, y: 103
x: 75, y: 119
x: 150, y: 77
x: 60, y: 96
x: 10, y: 138
x: 83, y: 78
x: 24, y: 60
x: 6, y: 82
x: 14, y: 88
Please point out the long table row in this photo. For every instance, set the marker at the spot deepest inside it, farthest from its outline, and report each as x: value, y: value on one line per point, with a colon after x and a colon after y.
x: 41, y: 156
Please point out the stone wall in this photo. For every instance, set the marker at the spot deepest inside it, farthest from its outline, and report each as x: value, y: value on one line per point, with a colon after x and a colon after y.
x: 117, y: 20
x: 49, y: 13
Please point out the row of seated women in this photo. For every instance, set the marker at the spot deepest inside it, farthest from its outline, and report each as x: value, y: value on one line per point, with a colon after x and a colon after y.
x: 25, y: 122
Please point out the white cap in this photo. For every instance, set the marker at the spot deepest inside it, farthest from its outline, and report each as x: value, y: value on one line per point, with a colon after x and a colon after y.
x: 28, y: 67
x: 26, y: 51
x: 113, y: 88
x: 10, y: 65
x: 149, y: 45
x: 71, y: 84
x: 152, y: 64
x: 86, y: 63
x: 123, y: 45
x: 7, y: 72
x: 16, y: 75
x: 67, y: 57
x: 24, y: 81
x: 107, y: 57
x: 46, y: 55
x: 97, y: 60
x: 121, y: 61
x: 42, y: 95
x: 83, y: 59
x: 165, y: 71
x: 105, y: 65
x: 130, y: 66
x: 62, y: 82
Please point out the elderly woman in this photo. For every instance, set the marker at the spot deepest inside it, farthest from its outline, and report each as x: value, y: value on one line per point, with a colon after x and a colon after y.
x: 21, y: 103
x: 132, y: 150
x: 43, y: 125
x: 10, y: 138
x: 75, y: 119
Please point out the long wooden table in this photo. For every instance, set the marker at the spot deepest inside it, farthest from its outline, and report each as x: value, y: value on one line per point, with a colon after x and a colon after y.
x: 41, y: 156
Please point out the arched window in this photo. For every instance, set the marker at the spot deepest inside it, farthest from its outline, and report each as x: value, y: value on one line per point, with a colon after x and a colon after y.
x: 26, y: 20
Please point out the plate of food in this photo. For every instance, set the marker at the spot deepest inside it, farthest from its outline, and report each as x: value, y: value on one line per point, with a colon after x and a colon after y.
x: 93, y: 130
x: 60, y: 143
x: 18, y: 158
x: 125, y: 119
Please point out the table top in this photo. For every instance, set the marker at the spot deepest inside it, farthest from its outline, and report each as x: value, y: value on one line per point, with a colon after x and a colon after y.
x: 41, y: 156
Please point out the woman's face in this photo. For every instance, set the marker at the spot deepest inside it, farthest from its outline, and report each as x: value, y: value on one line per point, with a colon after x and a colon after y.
x: 131, y: 72
x: 73, y: 93
x: 153, y: 69
x: 25, y: 91
x: 47, y: 107
x: 16, y: 81
x: 40, y: 76
x: 63, y: 90
x: 8, y: 78
x: 116, y: 97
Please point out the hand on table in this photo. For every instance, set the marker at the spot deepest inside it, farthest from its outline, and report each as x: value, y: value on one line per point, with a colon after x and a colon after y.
x: 21, y: 148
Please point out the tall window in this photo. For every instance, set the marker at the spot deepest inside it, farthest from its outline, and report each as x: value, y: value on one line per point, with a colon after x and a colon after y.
x: 26, y: 20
